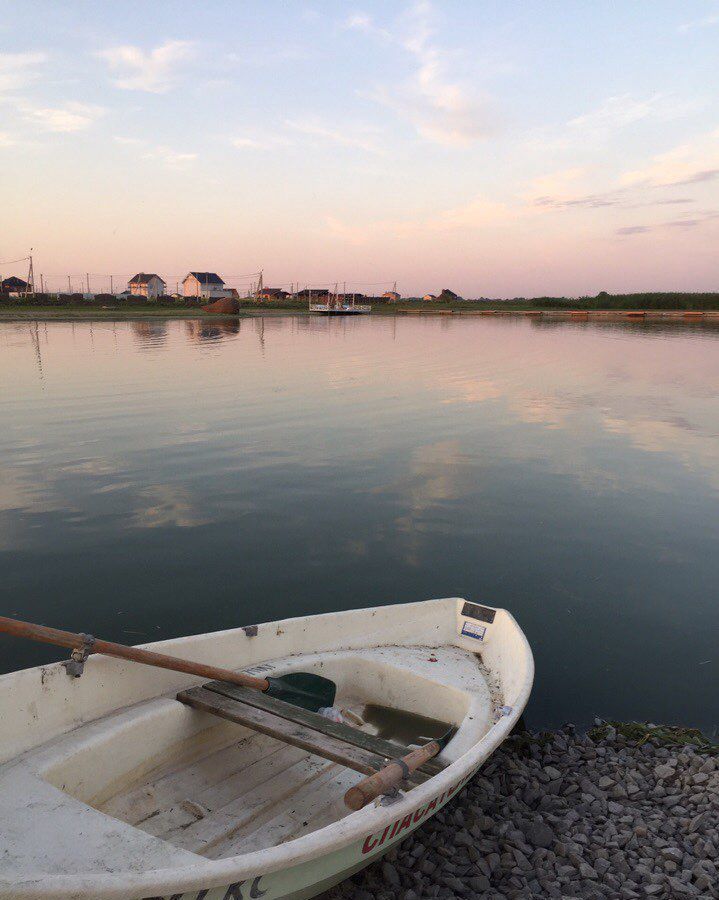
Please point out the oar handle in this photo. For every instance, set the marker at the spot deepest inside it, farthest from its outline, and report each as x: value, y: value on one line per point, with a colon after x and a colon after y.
x: 390, y: 777
x: 122, y: 651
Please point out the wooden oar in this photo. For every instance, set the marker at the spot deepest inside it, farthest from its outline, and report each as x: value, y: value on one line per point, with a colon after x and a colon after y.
x: 387, y: 780
x: 303, y: 689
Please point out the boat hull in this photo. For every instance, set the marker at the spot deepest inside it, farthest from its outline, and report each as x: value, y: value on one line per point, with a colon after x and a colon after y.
x: 116, y: 710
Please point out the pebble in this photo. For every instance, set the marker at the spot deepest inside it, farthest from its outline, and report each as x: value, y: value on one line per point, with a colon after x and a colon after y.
x: 567, y: 817
x: 540, y: 834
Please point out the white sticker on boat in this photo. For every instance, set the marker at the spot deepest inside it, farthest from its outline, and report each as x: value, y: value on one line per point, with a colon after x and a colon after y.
x: 471, y: 629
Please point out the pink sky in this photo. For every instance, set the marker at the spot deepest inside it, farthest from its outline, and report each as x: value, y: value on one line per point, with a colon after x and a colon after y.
x: 501, y: 152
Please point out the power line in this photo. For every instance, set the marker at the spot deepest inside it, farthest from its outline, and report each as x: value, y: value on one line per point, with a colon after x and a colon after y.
x: 10, y: 262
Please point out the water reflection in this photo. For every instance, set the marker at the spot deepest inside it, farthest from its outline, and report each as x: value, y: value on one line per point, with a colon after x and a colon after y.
x: 170, y: 477
x: 149, y: 334
x: 199, y: 330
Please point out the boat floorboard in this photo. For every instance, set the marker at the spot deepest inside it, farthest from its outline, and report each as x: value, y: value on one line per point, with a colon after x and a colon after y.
x: 248, y: 795
x: 304, y: 813
x: 185, y: 779
x: 247, y: 812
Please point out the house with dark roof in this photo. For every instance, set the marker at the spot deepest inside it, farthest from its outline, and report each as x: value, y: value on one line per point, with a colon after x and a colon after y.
x: 208, y: 285
x: 448, y: 296
x: 313, y: 294
x: 13, y: 285
x: 270, y: 293
x: 146, y: 284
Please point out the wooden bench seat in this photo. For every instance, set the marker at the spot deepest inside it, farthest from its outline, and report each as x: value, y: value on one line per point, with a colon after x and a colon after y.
x: 310, y: 731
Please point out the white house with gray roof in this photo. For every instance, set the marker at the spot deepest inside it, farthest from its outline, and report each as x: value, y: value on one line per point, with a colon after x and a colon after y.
x: 146, y: 284
x: 207, y: 285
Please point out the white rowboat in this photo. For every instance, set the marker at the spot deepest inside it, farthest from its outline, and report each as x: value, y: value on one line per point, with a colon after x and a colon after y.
x: 112, y: 789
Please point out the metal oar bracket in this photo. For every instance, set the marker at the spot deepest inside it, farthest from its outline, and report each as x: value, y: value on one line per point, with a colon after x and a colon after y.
x: 75, y: 666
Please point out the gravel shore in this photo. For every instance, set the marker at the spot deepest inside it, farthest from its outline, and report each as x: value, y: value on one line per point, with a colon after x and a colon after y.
x: 565, y: 815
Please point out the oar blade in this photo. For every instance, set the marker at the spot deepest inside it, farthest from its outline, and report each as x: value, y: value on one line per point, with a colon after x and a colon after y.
x: 446, y: 737
x: 304, y: 689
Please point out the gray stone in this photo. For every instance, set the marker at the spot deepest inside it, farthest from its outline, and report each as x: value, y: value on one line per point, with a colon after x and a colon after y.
x: 389, y: 873
x: 570, y: 819
x: 539, y: 834
x: 679, y: 887
x: 672, y: 853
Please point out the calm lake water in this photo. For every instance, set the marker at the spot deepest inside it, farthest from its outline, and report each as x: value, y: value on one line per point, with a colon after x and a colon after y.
x: 164, y: 478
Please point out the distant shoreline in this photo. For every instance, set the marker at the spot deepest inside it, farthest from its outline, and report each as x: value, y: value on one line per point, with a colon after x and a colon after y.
x: 59, y: 314
x: 663, y: 305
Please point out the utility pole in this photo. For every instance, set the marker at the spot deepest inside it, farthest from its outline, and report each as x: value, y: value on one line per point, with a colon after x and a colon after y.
x: 42, y: 284
x: 69, y: 285
x: 30, y: 289
x: 87, y: 281
x: 111, y: 288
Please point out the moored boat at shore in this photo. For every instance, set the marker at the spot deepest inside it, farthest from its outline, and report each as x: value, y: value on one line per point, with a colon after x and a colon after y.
x: 132, y: 782
x: 340, y: 309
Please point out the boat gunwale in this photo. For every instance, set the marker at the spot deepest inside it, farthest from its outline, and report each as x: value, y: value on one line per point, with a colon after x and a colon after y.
x: 216, y: 873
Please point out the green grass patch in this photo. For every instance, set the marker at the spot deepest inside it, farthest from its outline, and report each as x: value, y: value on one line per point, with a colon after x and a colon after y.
x: 658, y: 735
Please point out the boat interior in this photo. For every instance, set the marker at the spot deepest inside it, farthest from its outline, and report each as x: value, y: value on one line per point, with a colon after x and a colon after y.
x: 215, y: 788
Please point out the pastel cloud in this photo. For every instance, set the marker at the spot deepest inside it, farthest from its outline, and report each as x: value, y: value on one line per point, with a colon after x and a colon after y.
x: 174, y: 159
x: 478, y: 213
x: 626, y: 109
x: 440, y: 107
x: 17, y: 70
x: 689, y: 163
x: 155, y: 71
x: 705, y: 22
x: 359, y: 137
x: 689, y: 221
x: 68, y: 117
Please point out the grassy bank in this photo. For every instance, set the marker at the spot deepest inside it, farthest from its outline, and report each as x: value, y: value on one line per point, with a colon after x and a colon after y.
x: 108, y: 307
x: 602, y: 302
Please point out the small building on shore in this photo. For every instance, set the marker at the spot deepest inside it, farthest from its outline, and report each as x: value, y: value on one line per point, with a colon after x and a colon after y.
x: 429, y: 297
x: 270, y: 293
x: 310, y: 294
x: 392, y: 296
x: 14, y: 285
x: 448, y: 296
x: 146, y: 284
x: 207, y: 285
